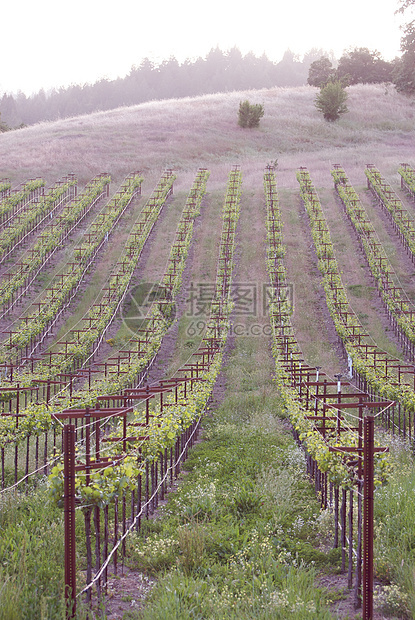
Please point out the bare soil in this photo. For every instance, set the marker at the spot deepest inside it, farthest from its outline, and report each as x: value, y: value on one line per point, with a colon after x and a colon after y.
x: 127, y: 591
x: 343, y: 607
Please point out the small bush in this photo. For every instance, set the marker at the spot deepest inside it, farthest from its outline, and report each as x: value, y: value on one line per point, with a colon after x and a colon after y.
x: 250, y: 114
x: 331, y: 101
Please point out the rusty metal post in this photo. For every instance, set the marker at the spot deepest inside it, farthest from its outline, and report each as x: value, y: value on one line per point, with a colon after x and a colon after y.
x: 368, y: 492
x: 358, y: 579
x: 343, y: 509
x: 69, y: 518
x: 350, y: 569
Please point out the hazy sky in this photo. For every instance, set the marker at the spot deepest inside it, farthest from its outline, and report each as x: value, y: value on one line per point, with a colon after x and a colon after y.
x: 50, y: 43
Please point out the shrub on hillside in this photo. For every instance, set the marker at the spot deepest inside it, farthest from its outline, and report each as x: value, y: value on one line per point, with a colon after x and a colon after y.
x: 250, y: 114
x: 331, y: 101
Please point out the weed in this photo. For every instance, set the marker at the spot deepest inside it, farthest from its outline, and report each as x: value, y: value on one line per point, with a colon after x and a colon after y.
x: 192, y: 542
x: 227, y: 547
x: 31, y: 551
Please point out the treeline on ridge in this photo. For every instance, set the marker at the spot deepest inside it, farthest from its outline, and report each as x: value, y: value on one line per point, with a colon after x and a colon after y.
x: 218, y: 72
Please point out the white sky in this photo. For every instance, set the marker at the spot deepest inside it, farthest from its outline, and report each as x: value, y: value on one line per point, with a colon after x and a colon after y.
x: 50, y: 43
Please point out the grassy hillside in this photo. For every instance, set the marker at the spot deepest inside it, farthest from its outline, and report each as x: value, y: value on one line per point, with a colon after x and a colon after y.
x: 201, y: 131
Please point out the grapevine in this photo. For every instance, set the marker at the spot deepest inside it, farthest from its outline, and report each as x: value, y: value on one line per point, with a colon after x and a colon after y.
x: 13, y: 202
x: 407, y: 179
x: 397, y: 303
x: 29, y: 220
x: 399, y: 215
x: 164, y: 422
x: 285, y: 347
x: 377, y: 370
x: 58, y: 297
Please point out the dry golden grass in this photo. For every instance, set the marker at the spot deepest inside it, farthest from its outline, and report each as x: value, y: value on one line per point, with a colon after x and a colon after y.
x: 192, y: 132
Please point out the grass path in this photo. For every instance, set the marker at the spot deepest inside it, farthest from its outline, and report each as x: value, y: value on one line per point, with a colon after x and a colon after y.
x: 310, y: 312
x: 230, y: 541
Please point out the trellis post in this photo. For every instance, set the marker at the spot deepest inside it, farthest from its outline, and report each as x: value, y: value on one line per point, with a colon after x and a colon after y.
x: 368, y: 492
x: 69, y: 518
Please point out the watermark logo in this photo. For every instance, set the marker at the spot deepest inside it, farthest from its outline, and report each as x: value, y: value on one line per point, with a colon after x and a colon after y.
x: 139, y: 302
x: 251, y: 304
x: 250, y: 300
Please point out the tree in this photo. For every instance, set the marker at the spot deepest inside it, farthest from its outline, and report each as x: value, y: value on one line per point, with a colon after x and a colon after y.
x: 8, y: 111
x: 320, y: 72
x: 315, y: 53
x: 331, y: 101
x: 3, y: 126
x: 404, y: 73
x: 364, y: 67
x: 290, y: 71
x: 250, y: 114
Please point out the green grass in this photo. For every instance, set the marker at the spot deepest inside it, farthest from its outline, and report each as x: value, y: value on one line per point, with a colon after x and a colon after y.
x: 358, y: 290
x: 31, y: 557
x: 31, y: 552
x: 395, y: 534
x: 230, y: 542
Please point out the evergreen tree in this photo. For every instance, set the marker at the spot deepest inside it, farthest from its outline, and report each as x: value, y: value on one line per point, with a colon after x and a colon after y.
x: 3, y: 126
x: 218, y: 72
x: 331, y: 101
x: 250, y: 114
x: 8, y: 110
x: 290, y: 71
